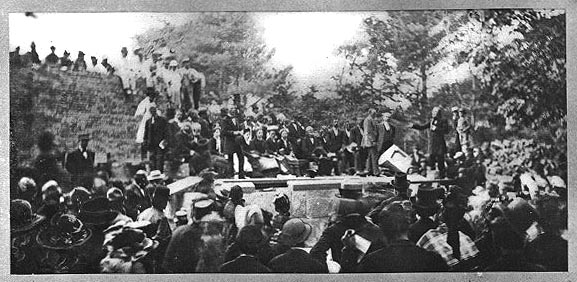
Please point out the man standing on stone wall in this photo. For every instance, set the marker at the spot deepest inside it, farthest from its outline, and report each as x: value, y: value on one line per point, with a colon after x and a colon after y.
x: 80, y: 162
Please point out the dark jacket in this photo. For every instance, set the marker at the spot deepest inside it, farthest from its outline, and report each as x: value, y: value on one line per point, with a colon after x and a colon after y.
x: 271, y: 146
x: 334, y: 142
x: 331, y: 237
x: 264, y: 255
x: 136, y: 200
x: 295, y: 132
x: 297, y: 261
x: 183, y: 145
x: 230, y: 144
x: 439, y: 128
x: 76, y: 163
x: 182, y: 252
x: 417, y: 229
x: 244, y: 264
x: 155, y: 132
x: 258, y: 145
x: 356, y: 135
x: 307, y: 147
x: 280, y: 144
x: 385, y: 138
x: 402, y: 256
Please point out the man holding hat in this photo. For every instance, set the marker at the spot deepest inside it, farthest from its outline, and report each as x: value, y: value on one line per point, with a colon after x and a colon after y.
x: 80, y: 162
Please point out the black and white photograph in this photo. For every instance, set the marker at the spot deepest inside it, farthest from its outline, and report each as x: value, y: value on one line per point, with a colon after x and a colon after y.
x: 288, y: 142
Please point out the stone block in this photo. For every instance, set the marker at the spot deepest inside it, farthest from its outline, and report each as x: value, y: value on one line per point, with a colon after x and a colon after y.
x: 309, y: 185
x: 320, y: 207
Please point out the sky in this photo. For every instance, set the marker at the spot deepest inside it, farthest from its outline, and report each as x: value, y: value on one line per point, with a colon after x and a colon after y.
x: 306, y: 40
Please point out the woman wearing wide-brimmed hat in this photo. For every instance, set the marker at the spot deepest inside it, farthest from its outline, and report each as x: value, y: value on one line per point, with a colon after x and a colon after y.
x: 128, y: 249
x: 24, y: 225
x: 61, y: 242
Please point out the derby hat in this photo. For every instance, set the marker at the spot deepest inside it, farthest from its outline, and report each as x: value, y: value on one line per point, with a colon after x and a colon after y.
x: 65, y: 232
x: 155, y: 175
x: 427, y: 197
x: 97, y: 211
x: 21, y: 216
x: 351, y: 189
x: 294, y: 231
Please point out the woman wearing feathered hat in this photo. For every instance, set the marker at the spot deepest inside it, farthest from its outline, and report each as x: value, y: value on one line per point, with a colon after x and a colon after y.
x: 24, y: 252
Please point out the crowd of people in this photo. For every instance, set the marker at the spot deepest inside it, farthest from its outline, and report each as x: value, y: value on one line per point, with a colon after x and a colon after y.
x: 179, y: 82
x: 67, y: 217
x: 119, y: 228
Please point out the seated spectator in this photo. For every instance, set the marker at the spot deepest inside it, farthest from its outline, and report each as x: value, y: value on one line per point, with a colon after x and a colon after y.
x: 27, y: 190
x: 129, y: 251
x: 76, y: 198
x: 545, y: 245
x: 250, y: 240
x: 65, y: 62
x: 296, y: 260
x: 52, y: 200
x: 400, y: 255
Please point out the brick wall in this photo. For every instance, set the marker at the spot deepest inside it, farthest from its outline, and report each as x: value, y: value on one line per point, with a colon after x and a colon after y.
x: 68, y: 103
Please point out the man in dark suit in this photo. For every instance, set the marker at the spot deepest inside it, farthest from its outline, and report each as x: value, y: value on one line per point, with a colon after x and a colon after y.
x: 385, y: 133
x: 438, y: 148
x: 309, y: 147
x: 296, y: 260
x: 80, y: 163
x: 357, y: 137
x: 401, y: 255
x: 137, y: 199
x: 296, y: 130
x: 249, y: 239
x: 155, y: 135
x: 231, y: 136
x: 335, y: 139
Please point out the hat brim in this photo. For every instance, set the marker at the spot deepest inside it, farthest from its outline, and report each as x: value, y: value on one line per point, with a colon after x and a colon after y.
x: 44, y: 239
x: 35, y: 221
x: 97, y: 218
x: 419, y: 205
x: 156, y: 177
x: 294, y: 241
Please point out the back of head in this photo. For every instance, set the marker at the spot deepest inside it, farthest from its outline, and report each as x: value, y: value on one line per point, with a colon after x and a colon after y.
x: 394, y: 220
x: 250, y: 239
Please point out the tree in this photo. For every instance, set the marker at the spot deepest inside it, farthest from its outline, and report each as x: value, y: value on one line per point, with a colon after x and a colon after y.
x: 526, y: 77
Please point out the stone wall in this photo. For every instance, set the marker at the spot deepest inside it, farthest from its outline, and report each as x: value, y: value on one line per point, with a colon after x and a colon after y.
x: 69, y: 103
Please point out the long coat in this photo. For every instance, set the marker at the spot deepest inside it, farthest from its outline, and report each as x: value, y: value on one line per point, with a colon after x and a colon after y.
x: 370, y: 133
x: 155, y: 132
x: 385, y: 138
x: 439, y: 127
x: 230, y: 142
x: 77, y: 164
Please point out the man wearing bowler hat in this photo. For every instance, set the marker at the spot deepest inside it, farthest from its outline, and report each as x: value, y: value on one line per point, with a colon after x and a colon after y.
x: 80, y: 162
